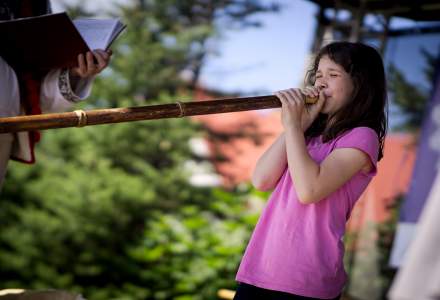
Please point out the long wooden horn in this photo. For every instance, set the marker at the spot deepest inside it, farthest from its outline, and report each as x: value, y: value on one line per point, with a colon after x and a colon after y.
x: 80, y: 118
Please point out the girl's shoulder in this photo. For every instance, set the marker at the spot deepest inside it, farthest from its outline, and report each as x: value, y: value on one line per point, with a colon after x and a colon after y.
x: 351, y: 136
x: 362, y: 138
x: 358, y: 133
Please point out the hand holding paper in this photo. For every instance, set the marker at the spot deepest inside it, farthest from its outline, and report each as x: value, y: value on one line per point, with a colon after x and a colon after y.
x: 54, y: 41
x: 92, y: 63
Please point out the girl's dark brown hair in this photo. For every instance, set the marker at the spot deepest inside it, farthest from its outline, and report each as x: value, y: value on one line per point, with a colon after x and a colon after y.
x: 368, y: 105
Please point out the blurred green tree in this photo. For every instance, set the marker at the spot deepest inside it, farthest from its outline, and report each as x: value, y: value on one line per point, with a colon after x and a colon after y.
x: 409, y: 98
x: 109, y: 210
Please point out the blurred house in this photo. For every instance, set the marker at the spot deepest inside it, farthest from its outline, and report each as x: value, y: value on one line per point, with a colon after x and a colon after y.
x: 237, y: 140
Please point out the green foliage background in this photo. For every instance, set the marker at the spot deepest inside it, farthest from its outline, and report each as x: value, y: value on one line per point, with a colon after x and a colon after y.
x: 108, y: 210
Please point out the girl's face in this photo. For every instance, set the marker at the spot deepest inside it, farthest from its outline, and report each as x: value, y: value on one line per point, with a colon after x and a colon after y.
x: 336, y: 84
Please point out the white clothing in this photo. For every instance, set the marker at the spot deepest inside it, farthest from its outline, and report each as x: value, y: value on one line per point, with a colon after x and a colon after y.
x: 52, y: 99
x: 419, y: 276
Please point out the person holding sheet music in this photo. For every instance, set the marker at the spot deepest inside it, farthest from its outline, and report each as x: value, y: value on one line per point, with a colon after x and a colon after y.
x: 34, y: 92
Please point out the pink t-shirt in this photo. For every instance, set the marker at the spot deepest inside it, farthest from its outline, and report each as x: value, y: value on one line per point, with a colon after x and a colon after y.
x: 298, y: 248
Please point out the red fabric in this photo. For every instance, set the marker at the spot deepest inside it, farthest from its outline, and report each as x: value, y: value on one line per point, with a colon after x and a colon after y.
x: 26, y: 9
x: 30, y: 85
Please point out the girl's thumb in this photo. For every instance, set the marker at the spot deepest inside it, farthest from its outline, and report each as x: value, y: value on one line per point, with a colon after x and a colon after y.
x: 321, y: 100
x: 317, y: 107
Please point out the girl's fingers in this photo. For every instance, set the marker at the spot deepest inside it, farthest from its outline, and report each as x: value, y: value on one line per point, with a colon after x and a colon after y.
x: 299, y: 97
x: 293, y: 95
x: 307, y: 92
x: 316, y: 108
x: 311, y: 91
x: 321, y: 98
x: 282, y: 97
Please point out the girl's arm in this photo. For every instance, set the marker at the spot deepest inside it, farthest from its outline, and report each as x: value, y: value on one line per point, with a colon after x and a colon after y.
x: 314, y: 181
x: 270, y: 165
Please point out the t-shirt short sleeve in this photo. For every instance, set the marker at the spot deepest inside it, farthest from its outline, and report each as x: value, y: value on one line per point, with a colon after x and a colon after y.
x: 364, y: 139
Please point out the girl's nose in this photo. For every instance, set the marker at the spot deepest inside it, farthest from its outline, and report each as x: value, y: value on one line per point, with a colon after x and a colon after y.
x: 321, y: 84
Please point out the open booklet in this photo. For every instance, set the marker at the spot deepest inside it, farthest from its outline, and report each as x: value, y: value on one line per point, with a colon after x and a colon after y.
x: 99, y: 33
x: 54, y: 41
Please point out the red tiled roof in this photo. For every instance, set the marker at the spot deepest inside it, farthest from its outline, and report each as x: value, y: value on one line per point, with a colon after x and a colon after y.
x: 256, y: 130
